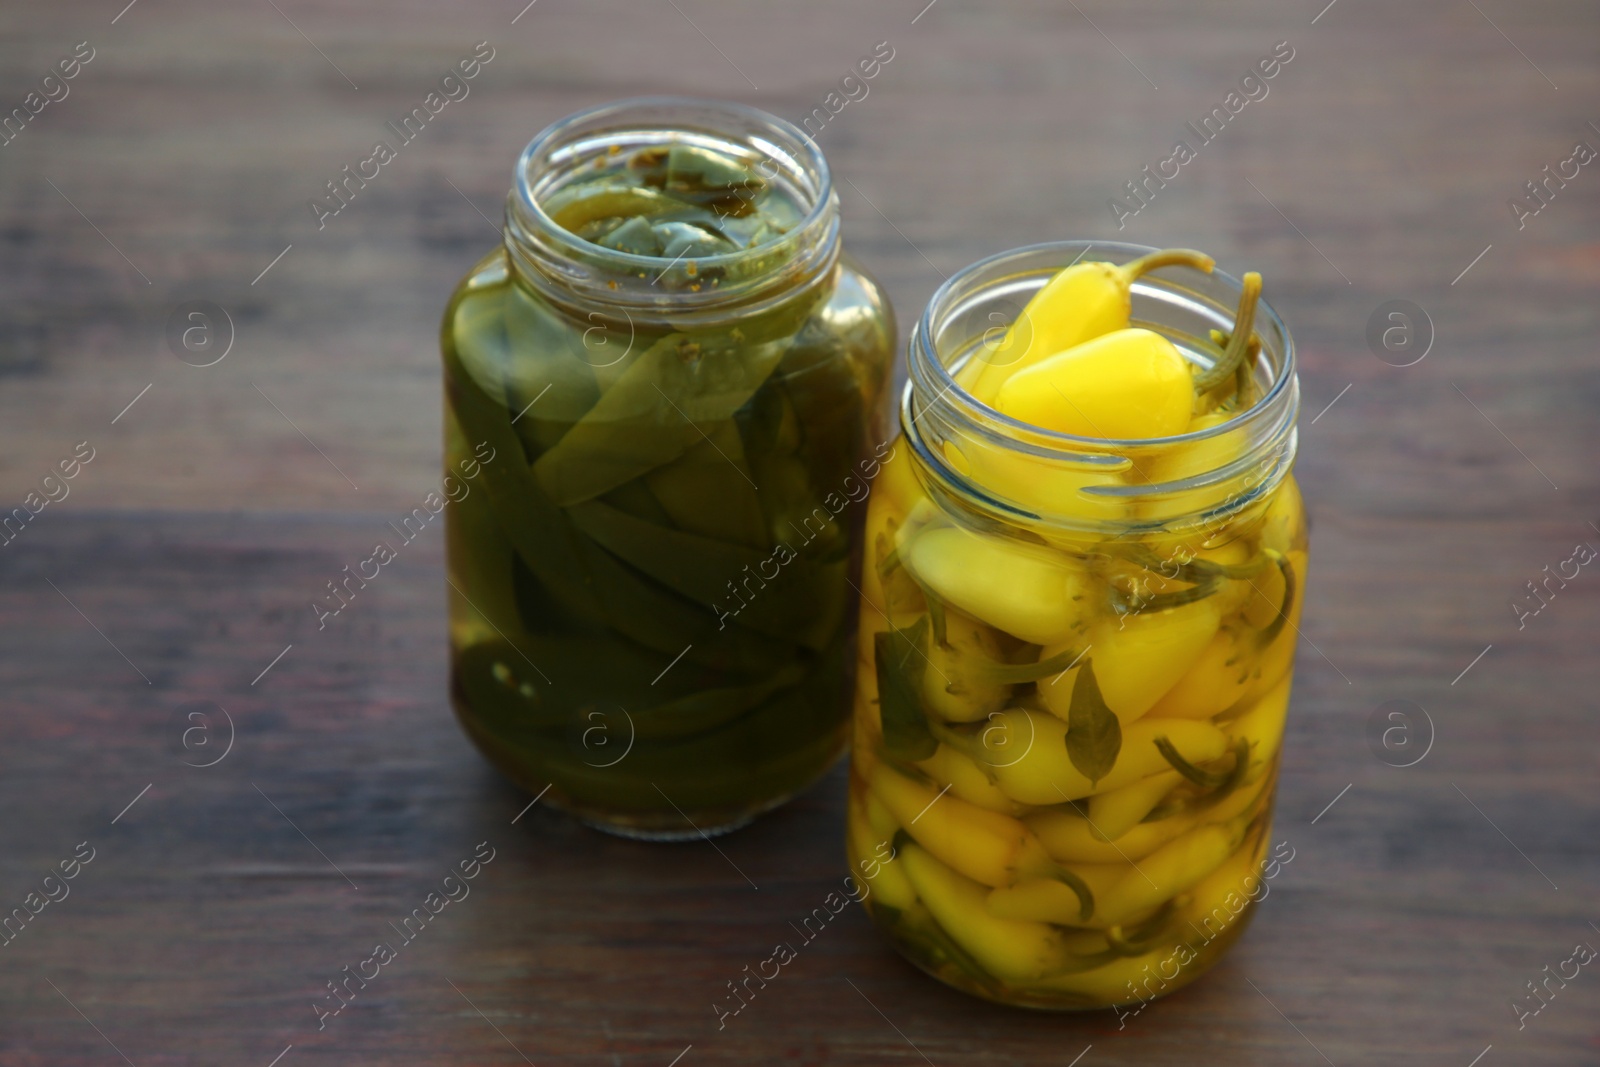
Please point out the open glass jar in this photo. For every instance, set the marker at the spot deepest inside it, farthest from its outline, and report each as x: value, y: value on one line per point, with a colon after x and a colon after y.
x: 1075, y: 660
x: 667, y: 383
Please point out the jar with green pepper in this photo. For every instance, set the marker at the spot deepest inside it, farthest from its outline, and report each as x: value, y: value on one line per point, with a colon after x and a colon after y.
x: 678, y: 374
x: 1084, y: 568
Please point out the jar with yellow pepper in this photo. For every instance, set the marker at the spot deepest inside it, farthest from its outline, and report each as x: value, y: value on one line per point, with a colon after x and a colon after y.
x: 1080, y: 592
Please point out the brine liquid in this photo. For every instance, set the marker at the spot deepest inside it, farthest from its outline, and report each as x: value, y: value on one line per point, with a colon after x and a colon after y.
x: 651, y: 609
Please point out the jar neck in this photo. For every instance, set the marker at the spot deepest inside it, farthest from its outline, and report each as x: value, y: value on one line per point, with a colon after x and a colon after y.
x: 1119, y: 488
x: 573, y: 272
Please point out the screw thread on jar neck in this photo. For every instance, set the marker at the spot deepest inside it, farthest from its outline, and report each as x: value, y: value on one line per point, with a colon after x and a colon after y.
x: 577, y: 273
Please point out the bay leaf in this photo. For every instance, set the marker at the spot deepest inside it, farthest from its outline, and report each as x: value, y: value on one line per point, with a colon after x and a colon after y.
x: 901, y: 659
x: 1094, y: 736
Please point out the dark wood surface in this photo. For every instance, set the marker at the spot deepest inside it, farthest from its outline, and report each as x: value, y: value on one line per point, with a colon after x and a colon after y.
x: 185, y: 558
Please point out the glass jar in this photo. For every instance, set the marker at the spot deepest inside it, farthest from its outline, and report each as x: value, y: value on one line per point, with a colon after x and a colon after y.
x: 1075, y: 659
x: 663, y: 396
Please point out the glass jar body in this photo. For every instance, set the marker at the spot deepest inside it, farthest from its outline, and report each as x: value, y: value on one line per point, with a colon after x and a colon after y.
x: 672, y: 654
x: 1067, y: 734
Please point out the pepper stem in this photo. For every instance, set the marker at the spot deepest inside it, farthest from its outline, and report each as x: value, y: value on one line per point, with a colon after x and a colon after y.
x: 1167, y: 257
x: 1238, y: 340
x: 1079, y: 887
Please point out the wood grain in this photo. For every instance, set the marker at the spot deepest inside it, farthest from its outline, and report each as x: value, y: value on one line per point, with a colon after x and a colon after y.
x: 188, y: 551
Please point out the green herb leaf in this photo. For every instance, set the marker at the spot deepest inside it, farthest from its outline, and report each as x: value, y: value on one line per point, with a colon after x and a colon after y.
x: 901, y: 659
x: 1094, y: 736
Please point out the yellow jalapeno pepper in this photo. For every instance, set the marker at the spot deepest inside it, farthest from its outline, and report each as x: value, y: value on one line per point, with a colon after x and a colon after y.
x: 1127, y: 384
x: 1138, y: 657
x: 986, y: 846
x: 1080, y: 303
x: 1006, y: 948
x: 1028, y: 591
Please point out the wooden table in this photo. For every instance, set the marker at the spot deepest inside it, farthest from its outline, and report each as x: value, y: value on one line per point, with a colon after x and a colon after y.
x: 174, y: 580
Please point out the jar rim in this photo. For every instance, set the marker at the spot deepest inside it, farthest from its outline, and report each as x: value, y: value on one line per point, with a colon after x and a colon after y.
x: 534, y: 234
x: 922, y: 346
x: 937, y: 410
